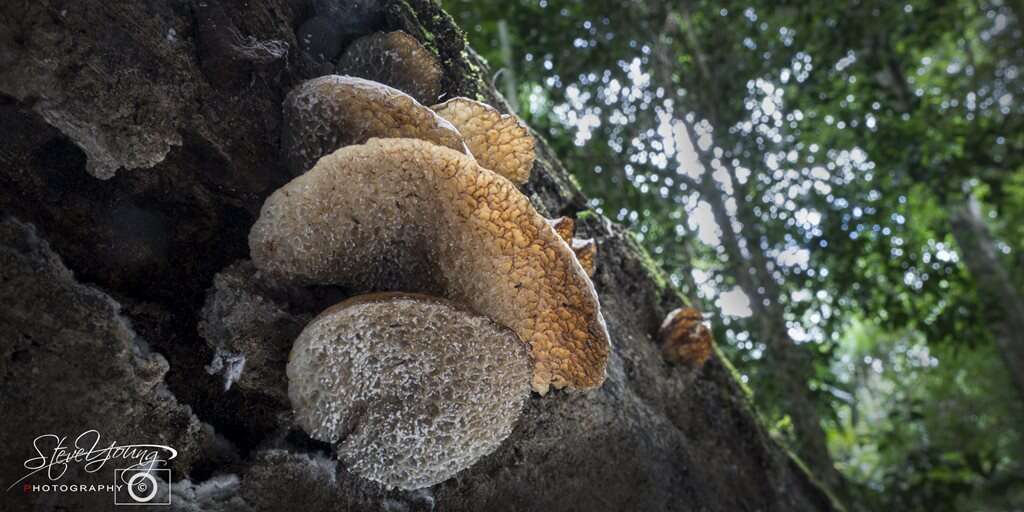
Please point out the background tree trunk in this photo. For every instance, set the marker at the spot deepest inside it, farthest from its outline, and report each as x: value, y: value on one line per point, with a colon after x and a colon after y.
x: 790, y: 367
x: 1004, y: 301
x: 177, y: 106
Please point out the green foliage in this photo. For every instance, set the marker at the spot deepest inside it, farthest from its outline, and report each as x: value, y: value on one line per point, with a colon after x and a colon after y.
x: 923, y: 425
x: 841, y: 135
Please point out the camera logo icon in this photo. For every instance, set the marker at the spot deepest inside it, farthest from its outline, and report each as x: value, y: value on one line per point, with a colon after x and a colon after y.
x: 142, y: 486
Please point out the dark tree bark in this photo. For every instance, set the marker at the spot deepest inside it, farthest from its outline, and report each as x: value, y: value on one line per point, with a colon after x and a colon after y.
x: 138, y: 141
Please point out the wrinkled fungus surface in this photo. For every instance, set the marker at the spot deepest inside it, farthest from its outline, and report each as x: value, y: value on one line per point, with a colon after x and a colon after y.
x: 500, y: 142
x: 326, y: 113
x: 404, y: 214
x: 586, y: 254
x: 413, y: 389
x: 564, y: 226
x: 396, y: 59
x: 584, y: 248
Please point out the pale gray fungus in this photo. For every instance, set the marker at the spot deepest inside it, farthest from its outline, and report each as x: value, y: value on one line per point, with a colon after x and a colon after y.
x: 412, y: 388
x: 330, y: 112
x: 228, y: 364
x: 221, y: 493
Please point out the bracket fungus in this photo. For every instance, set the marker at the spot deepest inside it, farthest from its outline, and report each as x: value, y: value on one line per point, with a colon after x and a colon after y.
x: 411, y: 388
x: 414, y: 216
x: 396, y: 59
x: 564, y: 226
x: 584, y: 248
x: 586, y: 253
x: 329, y: 112
x: 500, y: 142
x: 685, y: 339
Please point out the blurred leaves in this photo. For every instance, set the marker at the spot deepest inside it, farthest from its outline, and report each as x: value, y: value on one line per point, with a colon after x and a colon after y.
x: 852, y: 130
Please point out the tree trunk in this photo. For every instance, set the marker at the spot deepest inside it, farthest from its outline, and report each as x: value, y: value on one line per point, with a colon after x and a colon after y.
x: 1003, y: 300
x: 790, y: 367
x: 105, y: 284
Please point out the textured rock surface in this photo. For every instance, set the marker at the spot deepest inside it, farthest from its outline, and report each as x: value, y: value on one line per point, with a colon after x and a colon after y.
x: 499, y: 142
x: 321, y: 38
x: 653, y: 436
x: 396, y: 59
x: 413, y: 389
x: 408, y: 215
x: 330, y: 112
x: 250, y: 321
x: 70, y: 363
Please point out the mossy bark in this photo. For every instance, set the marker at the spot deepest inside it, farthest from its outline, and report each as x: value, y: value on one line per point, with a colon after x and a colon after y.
x: 176, y: 105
